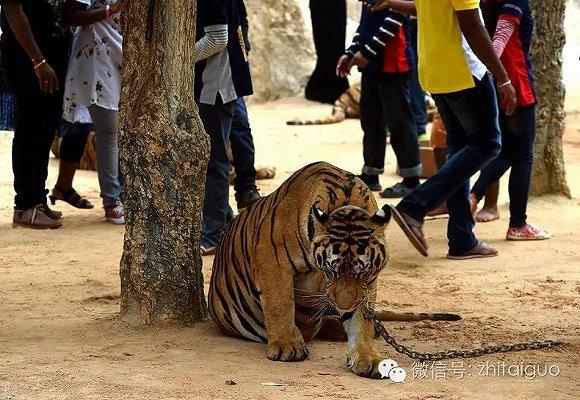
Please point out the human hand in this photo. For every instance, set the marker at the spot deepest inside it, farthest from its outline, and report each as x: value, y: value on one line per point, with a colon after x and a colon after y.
x: 507, y: 97
x: 343, y: 66
x: 358, y: 60
x: 46, y: 78
x: 377, y: 6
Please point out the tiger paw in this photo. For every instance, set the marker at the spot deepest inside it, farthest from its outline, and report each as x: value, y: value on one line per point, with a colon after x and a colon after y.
x: 365, y: 364
x: 289, y: 350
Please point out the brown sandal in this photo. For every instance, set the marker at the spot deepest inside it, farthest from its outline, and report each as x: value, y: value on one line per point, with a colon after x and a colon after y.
x: 481, y: 250
x: 415, y: 236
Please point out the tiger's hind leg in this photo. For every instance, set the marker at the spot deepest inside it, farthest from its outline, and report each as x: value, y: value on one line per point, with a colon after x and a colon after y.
x: 332, y: 329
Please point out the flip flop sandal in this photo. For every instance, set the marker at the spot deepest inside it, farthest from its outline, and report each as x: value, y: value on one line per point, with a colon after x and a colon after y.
x: 396, y: 191
x: 406, y: 225
x: 481, y: 250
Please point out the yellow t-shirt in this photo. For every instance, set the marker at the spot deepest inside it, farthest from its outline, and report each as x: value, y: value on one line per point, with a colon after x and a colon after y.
x: 444, y: 65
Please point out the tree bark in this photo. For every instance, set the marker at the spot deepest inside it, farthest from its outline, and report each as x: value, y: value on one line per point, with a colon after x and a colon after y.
x: 549, y: 175
x: 164, y: 152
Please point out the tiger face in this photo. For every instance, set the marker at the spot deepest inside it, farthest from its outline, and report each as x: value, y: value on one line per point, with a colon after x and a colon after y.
x: 349, y: 248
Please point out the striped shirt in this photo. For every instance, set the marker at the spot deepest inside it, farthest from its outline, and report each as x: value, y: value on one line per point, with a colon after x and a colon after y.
x: 383, y: 39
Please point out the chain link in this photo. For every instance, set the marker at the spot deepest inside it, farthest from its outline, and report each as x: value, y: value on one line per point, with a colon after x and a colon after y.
x: 454, y: 353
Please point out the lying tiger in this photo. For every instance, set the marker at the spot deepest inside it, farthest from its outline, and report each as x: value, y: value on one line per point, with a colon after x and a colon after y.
x: 348, y: 106
x: 301, y: 263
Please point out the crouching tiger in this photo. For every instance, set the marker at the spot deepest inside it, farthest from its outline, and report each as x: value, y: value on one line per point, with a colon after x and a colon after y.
x: 300, y: 263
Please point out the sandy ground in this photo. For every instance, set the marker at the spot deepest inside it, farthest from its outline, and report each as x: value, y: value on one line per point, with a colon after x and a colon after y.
x: 60, y: 336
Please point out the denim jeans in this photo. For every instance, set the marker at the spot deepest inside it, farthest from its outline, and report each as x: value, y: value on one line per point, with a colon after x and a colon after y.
x: 417, y: 94
x: 107, y: 150
x: 385, y: 104
x: 473, y: 138
x: 518, y: 134
x: 242, y: 149
x: 217, y: 121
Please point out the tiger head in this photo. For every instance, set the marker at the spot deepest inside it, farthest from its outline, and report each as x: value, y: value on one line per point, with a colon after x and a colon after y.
x: 349, y: 247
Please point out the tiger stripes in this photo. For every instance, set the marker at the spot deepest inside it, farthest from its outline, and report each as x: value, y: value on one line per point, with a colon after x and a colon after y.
x: 278, y: 229
x: 346, y: 106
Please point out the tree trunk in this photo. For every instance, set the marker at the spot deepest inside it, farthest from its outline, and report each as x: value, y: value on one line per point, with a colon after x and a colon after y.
x: 164, y: 152
x: 549, y: 174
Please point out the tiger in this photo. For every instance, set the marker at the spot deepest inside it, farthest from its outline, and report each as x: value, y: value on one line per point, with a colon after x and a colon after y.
x: 302, y: 263
x: 346, y: 106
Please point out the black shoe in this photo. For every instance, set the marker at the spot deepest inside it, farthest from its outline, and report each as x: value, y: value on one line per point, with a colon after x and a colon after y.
x: 245, y: 199
x: 372, y: 181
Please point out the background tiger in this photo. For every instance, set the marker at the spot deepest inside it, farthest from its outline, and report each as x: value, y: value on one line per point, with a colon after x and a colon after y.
x: 348, y: 106
x: 300, y: 263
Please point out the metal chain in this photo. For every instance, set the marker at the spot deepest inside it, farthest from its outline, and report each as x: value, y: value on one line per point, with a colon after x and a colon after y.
x: 454, y: 353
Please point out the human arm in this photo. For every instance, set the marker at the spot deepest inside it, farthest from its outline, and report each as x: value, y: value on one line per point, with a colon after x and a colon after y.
x: 360, y: 54
x: 213, y: 42
x: 503, y: 32
x: 79, y: 14
x: 21, y: 28
x: 476, y: 35
x: 403, y: 6
x: 344, y: 63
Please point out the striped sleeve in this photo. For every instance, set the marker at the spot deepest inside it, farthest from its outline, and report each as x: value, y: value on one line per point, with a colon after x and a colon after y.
x: 355, y: 45
x: 387, y: 31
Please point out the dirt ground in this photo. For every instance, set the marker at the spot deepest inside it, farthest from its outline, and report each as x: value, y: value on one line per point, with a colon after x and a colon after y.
x: 60, y: 336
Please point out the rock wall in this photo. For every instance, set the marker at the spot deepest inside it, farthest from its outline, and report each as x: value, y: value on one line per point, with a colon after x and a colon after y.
x: 282, y: 55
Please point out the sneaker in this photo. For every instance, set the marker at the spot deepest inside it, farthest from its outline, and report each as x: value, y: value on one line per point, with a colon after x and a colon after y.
x: 372, y: 181
x: 115, y: 213
x: 208, y: 250
x: 35, y: 218
x: 245, y: 199
x: 527, y: 232
x: 56, y: 215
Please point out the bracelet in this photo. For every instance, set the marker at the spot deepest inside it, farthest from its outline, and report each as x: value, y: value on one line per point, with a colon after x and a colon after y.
x: 107, y: 11
x: 36, y: 66
x: 505, y: 84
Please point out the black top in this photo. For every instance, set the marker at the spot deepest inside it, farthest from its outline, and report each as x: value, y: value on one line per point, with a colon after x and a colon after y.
x: 46, y: 21
x: 229, y: 76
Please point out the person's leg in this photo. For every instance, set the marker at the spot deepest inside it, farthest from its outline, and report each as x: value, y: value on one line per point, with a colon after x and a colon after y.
x: 243, y: 152
x: 107, y: 149
x: 329, y: 33
x: 33, y: 136
x: 417, y: 95
x: 217, y: 121
x: 394, y: 93
x: 72, y: 147
x: 374, y: 128
x: 487, y: 183
x: 490, y: 211
x: 521, y: 133
x: 473, y: 136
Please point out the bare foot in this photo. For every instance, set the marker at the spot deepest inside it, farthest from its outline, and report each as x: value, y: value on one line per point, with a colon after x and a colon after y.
x: 487, y: 214
x: 441, y: 210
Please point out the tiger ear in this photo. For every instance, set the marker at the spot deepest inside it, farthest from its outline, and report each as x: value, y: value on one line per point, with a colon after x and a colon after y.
x: 383, y: 216
x: 320, y: 215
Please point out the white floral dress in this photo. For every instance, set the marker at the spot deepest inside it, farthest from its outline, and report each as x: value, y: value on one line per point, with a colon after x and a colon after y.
x: 94, y: 75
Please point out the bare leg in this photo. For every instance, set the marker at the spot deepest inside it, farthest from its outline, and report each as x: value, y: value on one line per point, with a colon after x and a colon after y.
x: 489, y: 211
x: 66, y: 174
